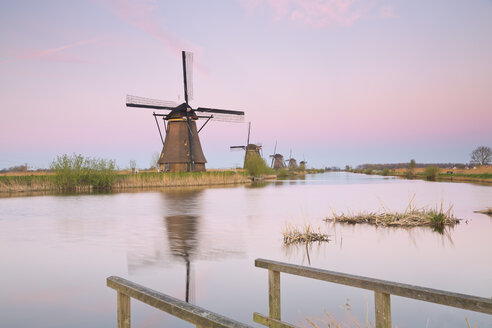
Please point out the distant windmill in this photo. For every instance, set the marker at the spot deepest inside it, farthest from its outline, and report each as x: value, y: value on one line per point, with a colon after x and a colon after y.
x: 277, y: 159
x: 181, y: 149
x: 292, y: 162
x: 250, y: 149
x: 302, y: 164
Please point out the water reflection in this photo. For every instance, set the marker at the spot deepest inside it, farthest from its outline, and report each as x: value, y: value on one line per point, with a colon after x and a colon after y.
x: 182, y: 237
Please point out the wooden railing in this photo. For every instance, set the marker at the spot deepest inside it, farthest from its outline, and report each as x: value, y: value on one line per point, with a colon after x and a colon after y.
x: 382, y: 291
x: 185, y: 311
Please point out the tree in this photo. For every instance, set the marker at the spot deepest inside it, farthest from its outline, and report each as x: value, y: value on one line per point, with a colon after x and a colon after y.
x: 411, y: 169
x: 133, y: 165
x: 154, y: 161
x: 481, y: 155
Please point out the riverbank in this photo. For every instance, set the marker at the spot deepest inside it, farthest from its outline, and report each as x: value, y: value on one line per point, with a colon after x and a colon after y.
x: 123, y: 180
x: 481, y: 174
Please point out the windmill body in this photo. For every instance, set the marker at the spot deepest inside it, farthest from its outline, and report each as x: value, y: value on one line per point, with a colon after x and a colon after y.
x: 182, y: 150
x: 302, y: 165
x: 277, y: 159
x: 292, y: 164
x: 251, y: 150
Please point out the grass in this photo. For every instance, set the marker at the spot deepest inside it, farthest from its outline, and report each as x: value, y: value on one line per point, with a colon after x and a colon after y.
x: 179, y: 179
x: 303, y: 234
x: 122, y: 180
x: 435, y: 218
x: 487, y: 211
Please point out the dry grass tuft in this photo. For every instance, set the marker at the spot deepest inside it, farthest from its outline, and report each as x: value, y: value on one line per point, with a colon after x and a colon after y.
x: 305, y: 234
x: 436, y: 217
x: 487, y: 211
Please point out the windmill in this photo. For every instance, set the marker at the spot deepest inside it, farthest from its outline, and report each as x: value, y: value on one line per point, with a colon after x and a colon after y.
x: 302, y: 164
x: 292, y: 162
x: 250, y: 149
x: 277, y: 159
x: 181, y: 149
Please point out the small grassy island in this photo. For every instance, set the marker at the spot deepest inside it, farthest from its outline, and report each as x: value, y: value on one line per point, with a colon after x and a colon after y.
x: 435, y: 218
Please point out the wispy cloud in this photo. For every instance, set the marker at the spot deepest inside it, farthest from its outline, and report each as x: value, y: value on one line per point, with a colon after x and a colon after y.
x: 52, y: 54
x: 319, y: 13
x: 143, y: 15
x: 387, y: 12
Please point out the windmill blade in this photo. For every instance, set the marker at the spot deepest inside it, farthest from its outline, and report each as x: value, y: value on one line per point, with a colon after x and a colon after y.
x: 237, y: 148
x: 249, y: 130
x: 142, y: 102
x: 274, y: 152
x: 223, y: 115
x: 188, y: 74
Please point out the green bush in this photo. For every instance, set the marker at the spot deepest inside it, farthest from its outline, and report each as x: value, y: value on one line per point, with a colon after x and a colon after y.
x: 256, y: 166
x: 431, y: 172
x: 385, y: 172
x: 74, y: 172
x: 282, y: 173
x: 368, y: 171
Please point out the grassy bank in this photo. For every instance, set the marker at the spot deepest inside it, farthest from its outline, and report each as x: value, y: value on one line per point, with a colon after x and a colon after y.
x: 119, y: 181
x: 179, y: 179
x: 481, y: 174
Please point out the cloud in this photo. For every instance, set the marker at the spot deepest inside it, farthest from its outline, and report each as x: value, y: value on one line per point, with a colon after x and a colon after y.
x: 387, y: 12
x: 143, y: 15
x: 52, y: 54
x: 318, y: 13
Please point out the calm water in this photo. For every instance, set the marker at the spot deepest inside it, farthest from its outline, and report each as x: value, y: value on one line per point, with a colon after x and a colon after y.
x: 56, y: 251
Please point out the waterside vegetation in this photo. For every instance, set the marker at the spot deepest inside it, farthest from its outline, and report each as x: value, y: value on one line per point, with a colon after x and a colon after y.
x: 433, y: 172
x: 436, y: 218
x: 303, y: 234
x: 76, y: 173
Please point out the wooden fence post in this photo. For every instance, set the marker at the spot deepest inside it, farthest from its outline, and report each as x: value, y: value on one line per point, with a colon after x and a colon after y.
x: 382, y: 303
x: 123, y: 304
x: 274, y: 294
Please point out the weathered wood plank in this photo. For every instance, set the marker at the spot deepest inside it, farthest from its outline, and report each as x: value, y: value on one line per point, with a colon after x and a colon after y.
x: 270, y: 322
x: 382, y: 303
x: 274, y: 294
x: 123, y: 310
x: 185, y: 311
x: 463, y: 301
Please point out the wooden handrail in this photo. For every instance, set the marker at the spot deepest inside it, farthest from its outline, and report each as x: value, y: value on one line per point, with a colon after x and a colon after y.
x: 180, y: 309
x: 463, y: 301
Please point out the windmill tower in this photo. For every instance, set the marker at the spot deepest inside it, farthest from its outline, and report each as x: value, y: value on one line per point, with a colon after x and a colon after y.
x: 292, y: 162
x: 302, y: 165
x: 181, y: 149
x: 277, y: 159
x: 251, y: 150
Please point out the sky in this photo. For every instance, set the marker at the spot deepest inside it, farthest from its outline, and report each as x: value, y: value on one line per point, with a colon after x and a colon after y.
x: 335, y: 82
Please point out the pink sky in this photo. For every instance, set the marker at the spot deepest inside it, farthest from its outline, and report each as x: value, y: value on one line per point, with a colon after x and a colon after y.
x: 338, y: 82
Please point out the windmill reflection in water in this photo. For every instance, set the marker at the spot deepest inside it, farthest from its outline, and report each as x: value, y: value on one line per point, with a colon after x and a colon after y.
x: 182, y: 230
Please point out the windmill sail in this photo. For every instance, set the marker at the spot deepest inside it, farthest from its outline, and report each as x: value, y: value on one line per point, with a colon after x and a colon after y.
x: 188, y: 74
x: 142, y: 102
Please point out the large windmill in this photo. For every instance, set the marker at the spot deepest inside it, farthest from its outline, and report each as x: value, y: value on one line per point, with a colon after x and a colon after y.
x: 250, y: 149
x: 277, y: 159
x: 181, y: 150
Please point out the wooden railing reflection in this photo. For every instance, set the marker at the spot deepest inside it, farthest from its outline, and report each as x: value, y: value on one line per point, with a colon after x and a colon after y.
x: 382, y: 291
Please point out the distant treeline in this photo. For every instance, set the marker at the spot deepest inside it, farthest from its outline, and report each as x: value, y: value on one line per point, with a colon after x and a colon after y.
x: 20, y: 168
x: 392, y: 166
